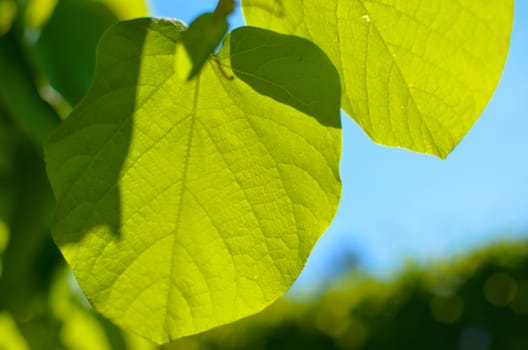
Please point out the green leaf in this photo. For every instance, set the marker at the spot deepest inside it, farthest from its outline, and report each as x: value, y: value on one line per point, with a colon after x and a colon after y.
x: 10, y: 336
x: 8, y: 12
x: 30, y: 256
x: 186, y: 205
x: 20, y: 100
x: 65, y: 49
x: 415, y: 74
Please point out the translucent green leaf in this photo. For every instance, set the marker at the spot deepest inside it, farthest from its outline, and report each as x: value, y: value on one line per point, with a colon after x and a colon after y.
x: 186, y: 205
x: 416, y: 74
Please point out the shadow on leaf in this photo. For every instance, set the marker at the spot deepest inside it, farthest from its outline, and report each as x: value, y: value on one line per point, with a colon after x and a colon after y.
x: 86, y: 154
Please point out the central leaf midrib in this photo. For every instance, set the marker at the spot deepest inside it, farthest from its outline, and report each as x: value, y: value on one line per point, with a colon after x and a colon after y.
x: 180, y: 205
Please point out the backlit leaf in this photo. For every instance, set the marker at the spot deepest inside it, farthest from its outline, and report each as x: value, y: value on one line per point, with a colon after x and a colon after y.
x: 415, y: 74
x: 186, y: 205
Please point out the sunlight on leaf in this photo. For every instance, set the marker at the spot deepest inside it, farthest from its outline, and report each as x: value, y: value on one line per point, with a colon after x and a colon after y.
x: 415, y: 74
x: 38, y: 12
x: 127, y: 9
x: 191, y: 204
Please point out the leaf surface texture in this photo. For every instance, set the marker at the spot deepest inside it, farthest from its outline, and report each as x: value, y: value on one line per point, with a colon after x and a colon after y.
x: 184, y: 205
x: 415, y: 73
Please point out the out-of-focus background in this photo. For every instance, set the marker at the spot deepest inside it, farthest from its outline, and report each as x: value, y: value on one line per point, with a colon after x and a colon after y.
x: 422, y: 254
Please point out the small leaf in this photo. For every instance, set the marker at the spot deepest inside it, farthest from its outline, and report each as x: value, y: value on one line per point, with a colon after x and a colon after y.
x: 201, y: 39
x: 416, y: 74
x: 185, y: 205
x: 225, y: 7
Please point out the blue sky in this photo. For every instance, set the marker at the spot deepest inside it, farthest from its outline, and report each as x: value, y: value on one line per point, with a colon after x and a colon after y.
x: 398, y: 205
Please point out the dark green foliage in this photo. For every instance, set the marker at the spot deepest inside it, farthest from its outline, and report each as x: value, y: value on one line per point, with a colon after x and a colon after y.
x: 447, y: 307
x: 68, y: 55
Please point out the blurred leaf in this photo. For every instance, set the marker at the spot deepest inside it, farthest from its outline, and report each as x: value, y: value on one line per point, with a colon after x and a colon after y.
x: 19, y: 98
x: 66, y: 46
x: 147, y: 161
x: 415, y: 74
x: 135, y: 342
x: 8, y: 12
x: 204, y: 35
x: 37, y: 12
x: 201, y: 38
x: 225, y: 7
x: 6, y: 167
x: 82, y: 331
x: 30, y: 256
x: 10, y: 337
x: 79, y: 321
x: 68, y: 56
x: 126, y: 9
x: 4, y: 236
x: 81, y: 327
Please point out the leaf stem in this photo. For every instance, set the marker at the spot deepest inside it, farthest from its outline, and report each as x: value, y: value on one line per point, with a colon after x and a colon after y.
x: 221, y: 68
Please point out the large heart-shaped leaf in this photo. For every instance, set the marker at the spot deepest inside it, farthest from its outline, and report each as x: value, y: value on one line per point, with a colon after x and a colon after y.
x: 183, y: 205
x: 416, y: 74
